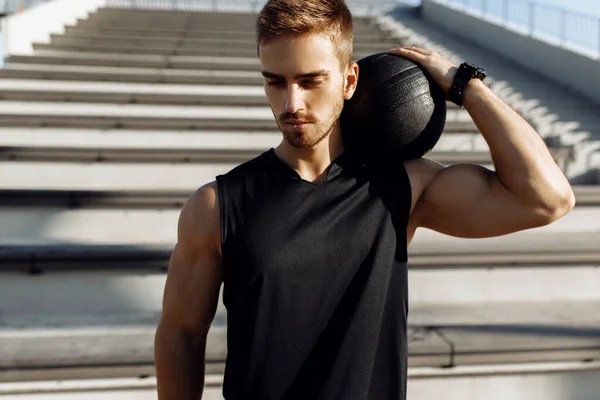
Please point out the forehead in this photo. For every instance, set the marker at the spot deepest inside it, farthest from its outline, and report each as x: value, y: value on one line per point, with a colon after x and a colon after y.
x: 291, y: 55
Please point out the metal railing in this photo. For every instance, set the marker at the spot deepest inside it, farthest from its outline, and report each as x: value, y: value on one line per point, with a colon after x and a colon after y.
x: 565, y: 28
x: 359, y: 7
x: 370, y: 6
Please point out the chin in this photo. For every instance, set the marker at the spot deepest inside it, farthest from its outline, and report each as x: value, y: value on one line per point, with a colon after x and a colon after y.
x: 298, y: 142
x: 303, y: 141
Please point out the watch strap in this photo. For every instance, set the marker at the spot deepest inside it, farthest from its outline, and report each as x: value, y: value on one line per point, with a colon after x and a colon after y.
x: 465, y: 73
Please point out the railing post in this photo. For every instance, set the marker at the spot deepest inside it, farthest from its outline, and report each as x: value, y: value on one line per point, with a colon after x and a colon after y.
x: 598, y: 38
x: 484, y: 7
x: 506, y: 10
x: 532, y: 18
x: 563, y: 26
x: 598, y: 20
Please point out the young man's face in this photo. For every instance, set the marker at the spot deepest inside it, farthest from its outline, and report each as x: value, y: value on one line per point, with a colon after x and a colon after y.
x: 305, y: 87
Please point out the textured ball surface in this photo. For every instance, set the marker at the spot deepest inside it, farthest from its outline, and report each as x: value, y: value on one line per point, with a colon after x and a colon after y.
x: 397, y: 110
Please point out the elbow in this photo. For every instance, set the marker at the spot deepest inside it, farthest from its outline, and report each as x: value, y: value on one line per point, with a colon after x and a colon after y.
x: 564, y: 203
x: 559, y: 206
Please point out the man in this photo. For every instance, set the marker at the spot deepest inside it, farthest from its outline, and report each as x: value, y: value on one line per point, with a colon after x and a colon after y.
x: 311, y: 247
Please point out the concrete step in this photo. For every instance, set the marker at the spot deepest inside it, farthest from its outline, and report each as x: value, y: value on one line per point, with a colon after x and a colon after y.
x: 246, y: 43
x: 227, y: 27
x: 123, y: 74
x: 105, y: 176
x: 473, y: 342
x: 592, y: 177
x: 139, y: 93
x: 135, y: 116
x: 146, y: 116
x: 13, y: 138
x: 117, y: 204
x: 133, y: 155
x: 132, y: 139
x: 186, y: 10
x: 170, y: 50
x: 187, y: 155
x: 170, y: 17
x: 188, y: 14
x: 97, y: 388
x: 199, y: 32
x: 152, y: 45
x: 139, y: 61
x: 457, y: 148
x: 93, y: 171
x: 587, y: 196
x: 524, y: 381
x: 130, y: 93
x: 110, y: 176
x: 215, y: 24
x: 192, y: 19
x: 544, y: 250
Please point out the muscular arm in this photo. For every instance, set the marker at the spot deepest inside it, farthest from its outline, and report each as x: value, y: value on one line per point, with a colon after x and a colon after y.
x: 526, y: 190
x: 190, y: 299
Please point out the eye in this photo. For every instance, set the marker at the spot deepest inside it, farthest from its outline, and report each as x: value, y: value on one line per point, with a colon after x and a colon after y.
x: 312, y: 83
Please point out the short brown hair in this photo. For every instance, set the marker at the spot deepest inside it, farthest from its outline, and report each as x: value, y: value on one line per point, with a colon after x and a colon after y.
x: 329, y: 17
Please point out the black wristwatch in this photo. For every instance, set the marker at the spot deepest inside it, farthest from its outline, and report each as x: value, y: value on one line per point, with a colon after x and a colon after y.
x: 466, y: 72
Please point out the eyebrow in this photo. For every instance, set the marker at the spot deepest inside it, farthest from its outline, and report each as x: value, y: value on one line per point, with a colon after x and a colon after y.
x: 315, y: 74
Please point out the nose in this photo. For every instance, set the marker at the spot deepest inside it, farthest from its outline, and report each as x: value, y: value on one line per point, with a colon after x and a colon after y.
x: 294, y: 99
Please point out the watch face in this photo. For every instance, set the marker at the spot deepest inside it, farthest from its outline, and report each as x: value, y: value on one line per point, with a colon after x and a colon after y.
x: 474, y: 70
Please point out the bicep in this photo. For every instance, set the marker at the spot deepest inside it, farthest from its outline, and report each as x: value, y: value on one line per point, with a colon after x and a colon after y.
x: 192, y: 290
x: 195, y: 272
x: 466, y: 200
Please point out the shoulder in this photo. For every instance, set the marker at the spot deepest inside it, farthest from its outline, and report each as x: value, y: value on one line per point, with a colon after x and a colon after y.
x: 421, y: 173
x: 199, y: 222
x: 255, y: 164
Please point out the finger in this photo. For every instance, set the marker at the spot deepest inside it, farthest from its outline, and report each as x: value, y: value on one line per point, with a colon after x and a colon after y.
x: 419, y: 50
x: 408, y: 53
x: 413, y: 49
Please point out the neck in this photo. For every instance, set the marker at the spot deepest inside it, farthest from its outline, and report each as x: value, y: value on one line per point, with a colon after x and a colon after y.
x: 311, y: 163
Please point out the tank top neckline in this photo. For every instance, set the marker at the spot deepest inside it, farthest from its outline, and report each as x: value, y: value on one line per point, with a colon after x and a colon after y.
x: 333, y: 170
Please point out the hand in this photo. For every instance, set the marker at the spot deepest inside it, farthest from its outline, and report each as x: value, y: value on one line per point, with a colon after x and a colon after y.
x: 441, y: 70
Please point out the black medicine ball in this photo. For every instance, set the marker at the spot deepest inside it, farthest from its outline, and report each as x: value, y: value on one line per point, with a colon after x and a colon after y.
x: 397, y: 110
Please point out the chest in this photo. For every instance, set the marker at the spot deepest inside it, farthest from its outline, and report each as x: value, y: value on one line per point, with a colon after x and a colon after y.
x: 293, y: 232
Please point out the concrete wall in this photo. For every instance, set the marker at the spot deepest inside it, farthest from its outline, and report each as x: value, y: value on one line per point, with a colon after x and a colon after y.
x: 35, y: 25
x: 578, y: 71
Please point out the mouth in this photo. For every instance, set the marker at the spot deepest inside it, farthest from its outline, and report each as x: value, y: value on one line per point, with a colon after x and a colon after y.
x: 296, y: 122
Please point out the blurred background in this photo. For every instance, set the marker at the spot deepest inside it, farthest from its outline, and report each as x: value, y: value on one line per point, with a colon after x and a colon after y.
x: 113, y: 111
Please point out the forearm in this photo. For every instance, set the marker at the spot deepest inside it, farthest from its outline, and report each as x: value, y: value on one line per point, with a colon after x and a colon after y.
x: 179, y: 362
x: 522, y: 161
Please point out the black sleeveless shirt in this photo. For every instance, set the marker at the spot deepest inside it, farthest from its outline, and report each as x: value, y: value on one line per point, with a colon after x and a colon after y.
x: 315, y: 281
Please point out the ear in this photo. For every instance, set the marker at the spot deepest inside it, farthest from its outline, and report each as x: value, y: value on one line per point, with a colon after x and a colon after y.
x: 350, y: 80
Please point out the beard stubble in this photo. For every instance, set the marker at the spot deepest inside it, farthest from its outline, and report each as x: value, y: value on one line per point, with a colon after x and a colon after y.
x: 323, y: 129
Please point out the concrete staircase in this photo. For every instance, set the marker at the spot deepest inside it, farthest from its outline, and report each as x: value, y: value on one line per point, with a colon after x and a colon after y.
x: 105, y: 131
x: 564, y: 118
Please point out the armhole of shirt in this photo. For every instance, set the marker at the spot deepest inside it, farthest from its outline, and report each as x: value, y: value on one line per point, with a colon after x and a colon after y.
x: 222, y: 197
x: 408, y: 193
